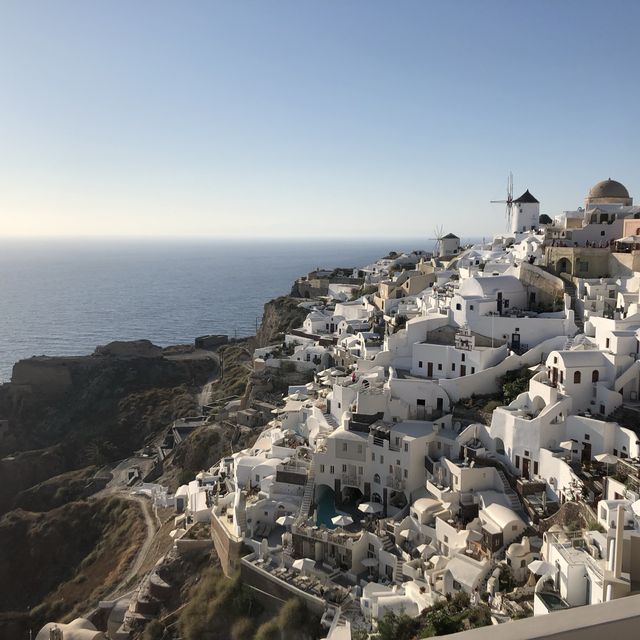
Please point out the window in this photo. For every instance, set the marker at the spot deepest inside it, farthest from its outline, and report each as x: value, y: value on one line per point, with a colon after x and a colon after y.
x: 470, y: 307
x: 607, y: 342
x: 473, y: 369
x: 463, y: 357
x: 535, y: 468
x: 446, y: 539
x: 514, y: 527
x: 505, y: 304
x: 602, y: 233
x: 398, y: 462
x: 419, y: 364
x: 344, y: 446
x: 406, y: 473
x: 587, y: 436
x: 332, y: 470
x: 406, y: 447
x: 440, y: 367
x: 526, y: 453
x: 595, y: 375
x: 381, y: 459
x: 376, y: 478
x: 555, y: 359
x: 576, y: 377
x: 561, y: 377
x: 458, y: 306
x: 517, y: 462
x: 344, y: 468
x: 390, y: 468
x: 321, y: 468
x: 339, y: 406
x: 453, y: 366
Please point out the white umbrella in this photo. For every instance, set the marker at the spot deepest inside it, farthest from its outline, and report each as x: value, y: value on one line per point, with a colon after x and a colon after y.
x: 342, y: 520
x: 567, y: 444
x: 406, y: 534
x: 606, y: 458
x: 303, y: 564
x: 540, y: 567
x: 370, y: 507
x: 636, y: 507
x: 285, y: 521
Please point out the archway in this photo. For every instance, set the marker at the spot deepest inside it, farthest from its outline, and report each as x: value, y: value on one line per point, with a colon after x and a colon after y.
x: 499, y: 445
x: 563, y: 266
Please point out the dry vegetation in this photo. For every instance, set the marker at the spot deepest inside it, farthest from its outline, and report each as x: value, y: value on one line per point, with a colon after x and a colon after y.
x: 67, y: 557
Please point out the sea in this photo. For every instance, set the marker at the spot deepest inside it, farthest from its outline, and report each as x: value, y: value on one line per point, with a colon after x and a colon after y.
x: 65, y: 297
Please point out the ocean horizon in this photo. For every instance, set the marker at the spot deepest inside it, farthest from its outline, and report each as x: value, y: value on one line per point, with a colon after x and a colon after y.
x: 62, y: 297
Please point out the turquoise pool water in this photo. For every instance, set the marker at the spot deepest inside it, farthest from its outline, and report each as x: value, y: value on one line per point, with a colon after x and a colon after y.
x: 326, y: 508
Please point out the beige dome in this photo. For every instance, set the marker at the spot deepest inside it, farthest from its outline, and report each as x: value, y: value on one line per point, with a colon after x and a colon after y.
x: 608, y: 192
x: 608, y: 189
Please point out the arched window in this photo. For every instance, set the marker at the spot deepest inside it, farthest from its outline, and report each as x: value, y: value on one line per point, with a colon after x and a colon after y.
x: 376, y: 498
x: 595, y: 375
x: 376, y: 478
x: 576, y: 377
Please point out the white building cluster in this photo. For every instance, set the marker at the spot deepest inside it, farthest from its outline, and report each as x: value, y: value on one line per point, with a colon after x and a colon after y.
x: 399, y: 475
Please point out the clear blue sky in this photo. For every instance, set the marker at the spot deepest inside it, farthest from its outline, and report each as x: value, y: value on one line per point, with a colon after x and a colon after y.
x: 293, y: 118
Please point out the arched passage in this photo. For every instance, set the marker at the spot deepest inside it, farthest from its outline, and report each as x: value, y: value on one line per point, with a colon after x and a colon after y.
x: 563, y: 266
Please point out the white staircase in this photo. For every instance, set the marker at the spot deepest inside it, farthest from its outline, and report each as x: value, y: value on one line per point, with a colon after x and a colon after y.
x: 514, y: 501
x: 331, y: 421
x: 307, y: 496
x: 398, y: 575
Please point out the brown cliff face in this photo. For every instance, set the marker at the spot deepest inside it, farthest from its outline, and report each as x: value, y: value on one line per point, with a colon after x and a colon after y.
x: 280, y: 315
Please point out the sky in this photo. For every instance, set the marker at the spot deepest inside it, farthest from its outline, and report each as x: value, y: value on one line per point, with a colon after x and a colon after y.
x: 349, y: 119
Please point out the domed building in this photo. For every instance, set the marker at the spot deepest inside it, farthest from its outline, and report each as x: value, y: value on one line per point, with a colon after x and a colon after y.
x: 607, y: 192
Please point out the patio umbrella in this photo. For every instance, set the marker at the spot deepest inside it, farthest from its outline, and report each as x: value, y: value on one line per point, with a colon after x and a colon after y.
x: 540, y: 567
x: 370, y: 507
x: 303, y: 565
x: 567, y: 444
x: 606, y: 458
x: 406, y: 534
x: 285, y: 521
x: 342, y: 520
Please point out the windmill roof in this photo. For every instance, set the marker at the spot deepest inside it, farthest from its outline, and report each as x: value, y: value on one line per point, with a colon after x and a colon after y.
x: 527, y: 197
x: 450, y: 235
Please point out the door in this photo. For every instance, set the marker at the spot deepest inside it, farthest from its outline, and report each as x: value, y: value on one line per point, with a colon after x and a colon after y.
x: 525, y: 467
x: 421, y: 413
x: 429, y: 369
x: 463, y: 370
x: 586, y: 453
x: 499, y: 303
x: 554, y: 376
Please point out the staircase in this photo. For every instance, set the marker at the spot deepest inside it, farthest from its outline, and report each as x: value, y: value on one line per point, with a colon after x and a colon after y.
x: 398, y: 576
x: 388, y: 543
x: 331, y: 421
x: 512, y: 496
x: 307, y: 496
x: 626, y: 416
x: 241, y: 520
x: 570, y: 290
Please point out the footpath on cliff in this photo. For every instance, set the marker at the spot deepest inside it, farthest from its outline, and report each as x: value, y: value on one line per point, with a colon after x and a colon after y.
x: 67, y: 423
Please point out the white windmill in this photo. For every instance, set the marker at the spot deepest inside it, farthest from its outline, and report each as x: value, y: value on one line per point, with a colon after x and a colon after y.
x: 509, y: 201
x: 438, y: 240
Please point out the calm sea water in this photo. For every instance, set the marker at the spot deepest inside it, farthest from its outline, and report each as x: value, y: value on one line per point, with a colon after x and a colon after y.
x: 66, y: 297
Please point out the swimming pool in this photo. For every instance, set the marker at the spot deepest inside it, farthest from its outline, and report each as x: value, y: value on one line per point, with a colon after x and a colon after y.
x: 326, y: 508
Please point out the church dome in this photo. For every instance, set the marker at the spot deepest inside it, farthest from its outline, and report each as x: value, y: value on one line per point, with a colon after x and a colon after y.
x: 608, y: 189
x: 607, y: 192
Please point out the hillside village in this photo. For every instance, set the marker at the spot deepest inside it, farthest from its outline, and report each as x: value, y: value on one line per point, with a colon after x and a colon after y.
x: 469, y: 432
